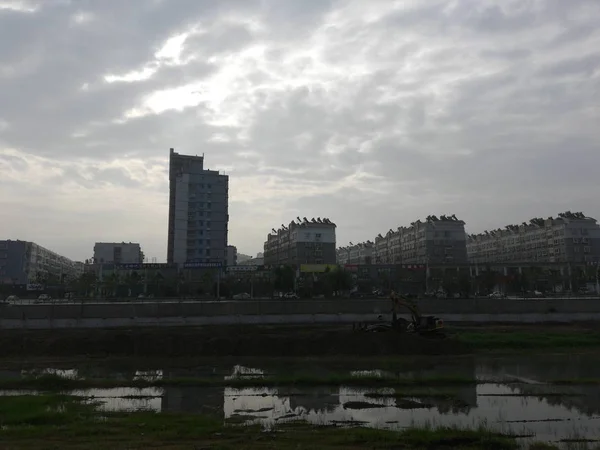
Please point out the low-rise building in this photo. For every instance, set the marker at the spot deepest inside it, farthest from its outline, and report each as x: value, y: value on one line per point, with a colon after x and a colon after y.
x: 361, y: 253
x: 23, y: 262
x: 232, y: 255
x: 432, y: 241
x: 118, y: 253
x: 570, y: 237
x: 301, y: 242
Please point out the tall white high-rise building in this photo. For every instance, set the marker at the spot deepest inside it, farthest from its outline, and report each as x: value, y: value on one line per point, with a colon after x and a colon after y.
x: 198, y: 211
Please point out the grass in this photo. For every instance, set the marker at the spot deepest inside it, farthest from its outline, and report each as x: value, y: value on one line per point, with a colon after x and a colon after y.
x: 54, y: 421
x: 510, y: 339
x: 417, y: 385
x: 55, y: 383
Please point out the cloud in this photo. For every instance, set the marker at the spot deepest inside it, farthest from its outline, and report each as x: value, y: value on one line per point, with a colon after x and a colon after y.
x: 370, y: 113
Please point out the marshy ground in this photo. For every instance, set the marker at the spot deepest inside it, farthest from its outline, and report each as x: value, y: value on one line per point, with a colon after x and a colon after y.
x: 485, y: 387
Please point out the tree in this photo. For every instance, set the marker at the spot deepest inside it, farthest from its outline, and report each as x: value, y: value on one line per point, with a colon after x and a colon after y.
x: 157, y: 281
x: 464, y: 285
x: 111, y: 282
x: 284, y: 279
x: 339, y: 280
x: 83, y: 285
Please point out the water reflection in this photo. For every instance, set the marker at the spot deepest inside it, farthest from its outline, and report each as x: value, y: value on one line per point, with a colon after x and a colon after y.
x: 529, y: 407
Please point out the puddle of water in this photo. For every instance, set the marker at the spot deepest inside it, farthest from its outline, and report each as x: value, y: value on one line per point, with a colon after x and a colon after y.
x: 517, y: 400
x: 504, y: 408
x: 245, y: 372
x: 71, y: 374
x: 502, y: 411
x: 148, y: 375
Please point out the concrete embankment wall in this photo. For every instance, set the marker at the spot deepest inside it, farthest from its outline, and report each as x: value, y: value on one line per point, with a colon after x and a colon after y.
x: 101, y: 315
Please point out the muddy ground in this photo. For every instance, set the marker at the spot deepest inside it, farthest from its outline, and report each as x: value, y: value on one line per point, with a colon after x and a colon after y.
x: 254, y: 341
x: 220, y: 341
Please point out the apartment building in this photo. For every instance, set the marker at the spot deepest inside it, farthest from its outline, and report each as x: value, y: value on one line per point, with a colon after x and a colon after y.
x: 303, y: 241
x: 198, y: 211
x: 570, y: 237
x: 432, y: 241
x: 23, y: 262
x: 118, y: 253
x: 361, y: 253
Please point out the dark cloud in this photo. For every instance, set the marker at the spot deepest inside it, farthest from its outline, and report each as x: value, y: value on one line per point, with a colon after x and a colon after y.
x: 370, y: 113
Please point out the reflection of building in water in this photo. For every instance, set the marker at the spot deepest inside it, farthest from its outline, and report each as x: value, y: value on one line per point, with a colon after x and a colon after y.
x: 549, y: 368
x: 192, y: 399
x: 316, y: 399
x: 260, y: 402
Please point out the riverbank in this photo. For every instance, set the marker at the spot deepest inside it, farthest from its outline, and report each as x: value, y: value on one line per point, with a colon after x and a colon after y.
x: 216, y: 341
x: 288, y: 341
x: 51, y: 421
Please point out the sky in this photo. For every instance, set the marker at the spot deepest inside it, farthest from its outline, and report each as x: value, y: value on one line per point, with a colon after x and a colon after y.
x: 371, y: 113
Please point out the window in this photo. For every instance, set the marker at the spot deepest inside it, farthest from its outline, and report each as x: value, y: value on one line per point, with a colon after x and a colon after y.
x: 209, y: 205
x: 209, y: 186
x: 208, y: 242
x: 586, y: 249
x: 208, y: 252
x: 200, y: 241
x: 208, y: 224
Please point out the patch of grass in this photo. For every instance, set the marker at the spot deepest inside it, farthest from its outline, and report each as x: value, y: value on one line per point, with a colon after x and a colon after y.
x: 28, y: 425
x: 510, y: 339
x: 576, y: 381
x: 56, y: 383
x: 542, y: 446
x: 42, y: 410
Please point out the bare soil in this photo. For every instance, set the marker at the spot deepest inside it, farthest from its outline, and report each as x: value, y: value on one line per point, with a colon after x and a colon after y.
x: 290, y: 341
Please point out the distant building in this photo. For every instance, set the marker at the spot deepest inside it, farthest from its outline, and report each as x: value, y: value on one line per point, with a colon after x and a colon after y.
x: 246, y: 260
x: 232, y: 255
x: 23, y: 262
x: 198, y: 211
x: 432, y: 241
x: 356, y: 253
x: 301, y: 242
x: 258, y: 261
x: 242, y: 257
x: 118, y: 253
x: 570, y: 237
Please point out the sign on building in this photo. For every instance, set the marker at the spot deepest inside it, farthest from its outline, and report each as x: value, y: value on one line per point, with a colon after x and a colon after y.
x: 35, y: 287
x: 202, y: 265
x: 242, y: 268
x: 316, y: 268
x: 140, y: 266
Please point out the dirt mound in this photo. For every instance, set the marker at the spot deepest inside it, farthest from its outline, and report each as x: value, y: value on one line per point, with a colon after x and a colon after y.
x: 220, y: 341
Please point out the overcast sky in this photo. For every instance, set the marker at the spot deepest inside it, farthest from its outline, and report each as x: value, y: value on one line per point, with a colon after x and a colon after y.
x: 372, y: 113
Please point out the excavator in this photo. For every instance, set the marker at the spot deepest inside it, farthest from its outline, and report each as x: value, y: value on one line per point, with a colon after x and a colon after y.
x: 424, y: 325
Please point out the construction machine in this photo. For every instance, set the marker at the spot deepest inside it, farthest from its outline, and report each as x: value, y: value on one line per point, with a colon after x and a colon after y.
x: 425, y: 325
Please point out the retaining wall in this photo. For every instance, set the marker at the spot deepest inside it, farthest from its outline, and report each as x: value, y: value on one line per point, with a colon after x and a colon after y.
x: 175, y: 313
